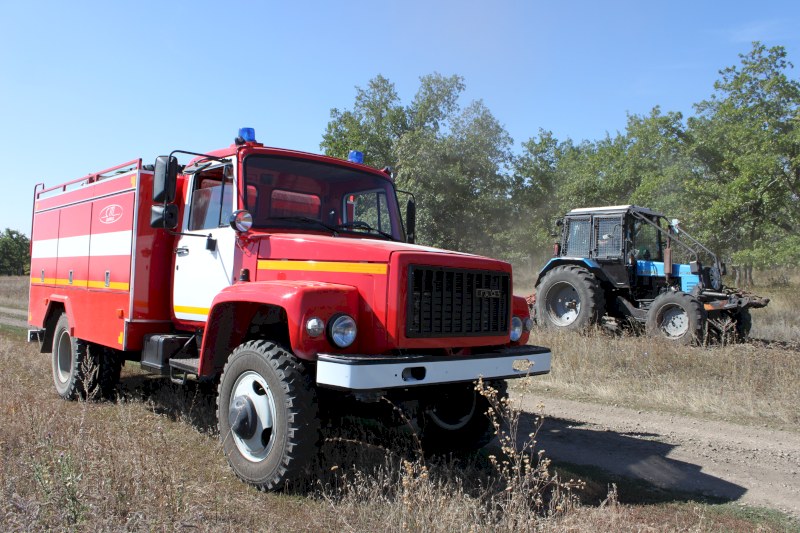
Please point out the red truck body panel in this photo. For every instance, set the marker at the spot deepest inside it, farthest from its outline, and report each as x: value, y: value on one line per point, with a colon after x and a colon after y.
x: 93, y: 252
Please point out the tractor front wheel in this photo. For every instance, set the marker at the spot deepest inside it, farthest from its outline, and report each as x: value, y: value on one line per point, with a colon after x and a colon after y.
x: 678, y: 317
x: 571, y: 298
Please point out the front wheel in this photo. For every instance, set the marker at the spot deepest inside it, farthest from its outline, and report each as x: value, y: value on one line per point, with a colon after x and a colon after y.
x: 456, y: 419
x: 267, y: 415
x: 678, y: 317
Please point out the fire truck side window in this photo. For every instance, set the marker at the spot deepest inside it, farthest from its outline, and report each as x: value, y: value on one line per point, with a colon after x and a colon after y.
x: 212, y: 201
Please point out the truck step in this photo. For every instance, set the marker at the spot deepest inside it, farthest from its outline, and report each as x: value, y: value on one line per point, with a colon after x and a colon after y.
x: 180, y: 368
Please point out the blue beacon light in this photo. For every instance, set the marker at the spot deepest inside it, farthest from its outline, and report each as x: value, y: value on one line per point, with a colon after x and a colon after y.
x: 356, y: 157
x: 248, y: 134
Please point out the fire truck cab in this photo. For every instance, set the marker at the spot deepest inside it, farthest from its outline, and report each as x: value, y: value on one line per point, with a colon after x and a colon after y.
x: 288, y: 279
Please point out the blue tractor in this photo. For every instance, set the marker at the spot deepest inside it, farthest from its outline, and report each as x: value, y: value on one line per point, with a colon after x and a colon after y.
x: 628, y: 266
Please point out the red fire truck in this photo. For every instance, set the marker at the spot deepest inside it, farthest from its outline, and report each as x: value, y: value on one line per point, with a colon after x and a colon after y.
x: 287, y: 278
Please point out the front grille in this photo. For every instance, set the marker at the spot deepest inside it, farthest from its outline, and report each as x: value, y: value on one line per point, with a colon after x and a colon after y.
x: 451, y: 302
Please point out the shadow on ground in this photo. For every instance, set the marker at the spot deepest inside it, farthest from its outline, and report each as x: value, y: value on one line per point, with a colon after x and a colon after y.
x: 636, y: 463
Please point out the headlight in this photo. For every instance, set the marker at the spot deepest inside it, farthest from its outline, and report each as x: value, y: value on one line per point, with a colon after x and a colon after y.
x: 342, y: 330
x: 315, y: 327
x: 527, y: 324
x: 516, y: 328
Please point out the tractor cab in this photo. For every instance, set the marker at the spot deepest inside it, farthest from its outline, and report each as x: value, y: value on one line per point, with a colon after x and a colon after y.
x: 636, y: 247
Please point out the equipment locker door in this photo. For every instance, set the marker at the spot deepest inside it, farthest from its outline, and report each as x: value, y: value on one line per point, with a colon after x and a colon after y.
x: 205, y: 253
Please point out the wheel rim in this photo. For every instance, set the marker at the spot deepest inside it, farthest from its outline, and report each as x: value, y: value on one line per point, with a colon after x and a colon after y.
x: 563, y: 304
x: 450, y: 414
x: 253, y: 387
x: 63, y: 357
x: 674, y: 321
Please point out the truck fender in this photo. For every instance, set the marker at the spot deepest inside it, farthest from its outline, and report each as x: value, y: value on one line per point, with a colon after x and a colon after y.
x: 56, y: 305
x: 590, y: 264
x: 234, y: 308
x: 519, y: 307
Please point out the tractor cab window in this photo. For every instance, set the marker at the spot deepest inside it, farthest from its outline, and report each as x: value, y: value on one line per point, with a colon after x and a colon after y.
x: 212, y: 199
x: 646, y: 241
x: 577, y: 237
x: 608, y: 236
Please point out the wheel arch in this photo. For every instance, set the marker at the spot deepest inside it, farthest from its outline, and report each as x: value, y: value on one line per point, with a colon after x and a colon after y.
x: 274, y: 310
x: 55, y: 308
x: 589, y: 264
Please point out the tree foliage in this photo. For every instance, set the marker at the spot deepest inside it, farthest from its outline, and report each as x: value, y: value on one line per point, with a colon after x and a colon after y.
x: 15, y: 256
x: 731, y: 171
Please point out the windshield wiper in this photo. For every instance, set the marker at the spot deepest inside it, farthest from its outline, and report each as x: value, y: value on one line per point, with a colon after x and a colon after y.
x: 312, y: 220
x: 359, y: 224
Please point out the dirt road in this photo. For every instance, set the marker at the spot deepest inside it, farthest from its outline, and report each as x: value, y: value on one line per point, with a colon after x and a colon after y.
x: 751, y: 465
x: 14, y: 317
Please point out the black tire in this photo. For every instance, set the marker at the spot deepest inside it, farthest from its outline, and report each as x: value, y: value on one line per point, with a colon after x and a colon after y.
x: 743, y: 324
x: 569, y: 298
x: 273, y: 381
x: 455, y: 419
x: 70, y: 362
x: 677, y: 317
x: 110, y: 362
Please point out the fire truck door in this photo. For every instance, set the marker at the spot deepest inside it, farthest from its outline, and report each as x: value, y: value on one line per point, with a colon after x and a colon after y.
x: 204, y: 256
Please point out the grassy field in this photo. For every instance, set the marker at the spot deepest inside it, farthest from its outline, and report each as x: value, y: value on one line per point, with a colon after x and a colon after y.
x: 151, y: 460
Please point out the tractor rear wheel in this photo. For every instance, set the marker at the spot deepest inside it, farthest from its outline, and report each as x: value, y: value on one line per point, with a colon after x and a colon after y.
x: 571, y: 298
x: 268, y: 416
x: 678, y: 317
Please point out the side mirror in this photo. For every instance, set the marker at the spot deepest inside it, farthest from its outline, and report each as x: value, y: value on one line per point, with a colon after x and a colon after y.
x: 164, y: 216
x: 241, y: 220
x: 411, y: 220
x: 165, y: 179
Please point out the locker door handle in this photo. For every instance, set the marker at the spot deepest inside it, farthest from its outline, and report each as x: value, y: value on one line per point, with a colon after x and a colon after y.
x: 183, y: 250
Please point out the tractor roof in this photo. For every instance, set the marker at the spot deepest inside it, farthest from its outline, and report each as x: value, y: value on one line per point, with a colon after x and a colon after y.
x: 614, y: 210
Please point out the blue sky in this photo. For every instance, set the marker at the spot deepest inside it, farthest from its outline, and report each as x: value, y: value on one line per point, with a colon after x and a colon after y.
x: 88, y: 85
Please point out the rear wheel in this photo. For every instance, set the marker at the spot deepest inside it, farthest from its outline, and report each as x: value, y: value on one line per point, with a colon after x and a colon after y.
x: 569, y: 297
x: 69, y: 361
x: 267, y: 414
x: 678, y: 317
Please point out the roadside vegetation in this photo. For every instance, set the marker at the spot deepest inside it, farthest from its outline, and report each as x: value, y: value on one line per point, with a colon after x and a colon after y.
x: 151, y: 460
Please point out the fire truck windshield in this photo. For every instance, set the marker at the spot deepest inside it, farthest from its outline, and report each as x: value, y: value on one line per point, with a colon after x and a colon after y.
x: 293, y: 193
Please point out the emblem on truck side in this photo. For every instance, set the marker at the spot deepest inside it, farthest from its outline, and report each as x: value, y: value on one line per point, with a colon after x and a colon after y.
x: 488, y: 293
x: 110, y: 214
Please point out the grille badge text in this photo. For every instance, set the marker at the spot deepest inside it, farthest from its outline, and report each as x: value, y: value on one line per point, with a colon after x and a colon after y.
x: 488, y: 293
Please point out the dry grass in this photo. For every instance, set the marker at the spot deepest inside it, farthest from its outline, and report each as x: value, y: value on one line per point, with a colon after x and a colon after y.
x: 745, y: 382
x: 152, y: 462
x: 780, y: 320
x: 14, y: 291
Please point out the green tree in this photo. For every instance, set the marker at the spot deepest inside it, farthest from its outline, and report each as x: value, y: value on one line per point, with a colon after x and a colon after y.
x: 15, y: 259
x: 455, y: 159
x: 747, y: 139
